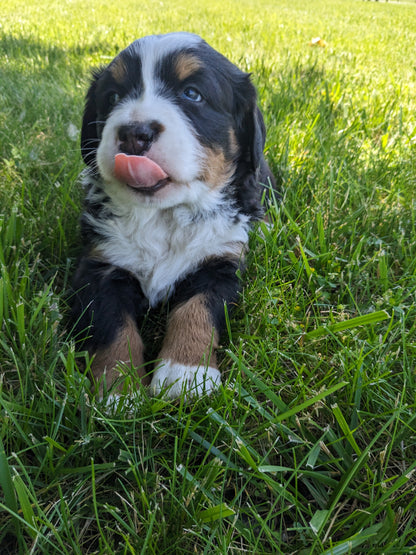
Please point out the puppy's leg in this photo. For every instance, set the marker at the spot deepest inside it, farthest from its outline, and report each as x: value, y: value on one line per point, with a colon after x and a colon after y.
x: 127, y: 348
x: 107, y: 303
x: 188, y: 359
x: 188, y: 355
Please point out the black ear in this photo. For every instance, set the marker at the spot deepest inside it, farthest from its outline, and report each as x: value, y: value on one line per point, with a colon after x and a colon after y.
x: 89, y: 133
x: 258, y: 137
x: 253, y: 176
x: 251, y: 131
x: 263, y: 172
x: 255, y: 136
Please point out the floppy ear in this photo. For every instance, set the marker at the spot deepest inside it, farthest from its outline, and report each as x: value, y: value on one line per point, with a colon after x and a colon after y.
x: 258, y: 138
x: 251, y: 130
x: 255, y: 139
x: 253, y: 175
x: 263, y: 172
x: 89, y: 133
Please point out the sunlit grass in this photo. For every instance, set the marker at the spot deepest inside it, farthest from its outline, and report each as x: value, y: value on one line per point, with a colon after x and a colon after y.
x: 309, y: 446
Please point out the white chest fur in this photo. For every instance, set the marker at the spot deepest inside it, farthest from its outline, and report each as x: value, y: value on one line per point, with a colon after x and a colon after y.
x: 160, y: 246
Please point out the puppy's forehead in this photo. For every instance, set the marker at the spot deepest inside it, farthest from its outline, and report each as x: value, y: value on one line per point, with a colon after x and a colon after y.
x: 157, y: 45
x: 139, y: 60
x: 154, y: 48
x: 181, y: 53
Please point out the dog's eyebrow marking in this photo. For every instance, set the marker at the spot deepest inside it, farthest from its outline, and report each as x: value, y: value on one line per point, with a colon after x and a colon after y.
x: 186, y: 64
x: 118, y: 69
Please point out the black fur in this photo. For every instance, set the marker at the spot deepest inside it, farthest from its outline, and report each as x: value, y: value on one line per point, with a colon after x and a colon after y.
x: 90, y: 131
x: 104, y: 295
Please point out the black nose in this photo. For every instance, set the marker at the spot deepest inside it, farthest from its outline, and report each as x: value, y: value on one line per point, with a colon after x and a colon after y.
x: 137, y: 138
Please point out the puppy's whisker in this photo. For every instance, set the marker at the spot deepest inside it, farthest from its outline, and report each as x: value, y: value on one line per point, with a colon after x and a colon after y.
x: 96, y: 122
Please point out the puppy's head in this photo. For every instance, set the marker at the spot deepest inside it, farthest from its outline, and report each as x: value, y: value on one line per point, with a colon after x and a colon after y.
x: 171, y: 121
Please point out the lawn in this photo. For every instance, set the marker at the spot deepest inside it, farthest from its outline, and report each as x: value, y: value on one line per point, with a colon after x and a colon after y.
x: 309, y: 447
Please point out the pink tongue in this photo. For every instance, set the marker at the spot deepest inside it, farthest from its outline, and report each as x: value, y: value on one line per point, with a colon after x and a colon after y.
x: 138, y: 171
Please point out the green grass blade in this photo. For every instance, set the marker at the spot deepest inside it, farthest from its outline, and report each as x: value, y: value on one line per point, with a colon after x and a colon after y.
x: 263, y: 387
x: 25, y: 505
x: 352, y: 543
x: 6, y: 484
x: 364, y: 320
x: 215, y: 513
x: 345, y: 428
x: 302, y: 406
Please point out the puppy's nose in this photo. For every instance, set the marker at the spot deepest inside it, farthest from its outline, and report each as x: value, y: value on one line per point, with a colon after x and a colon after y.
x: 137, y: 138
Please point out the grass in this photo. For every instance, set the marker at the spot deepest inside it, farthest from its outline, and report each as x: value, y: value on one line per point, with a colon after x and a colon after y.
x: 309, y: 446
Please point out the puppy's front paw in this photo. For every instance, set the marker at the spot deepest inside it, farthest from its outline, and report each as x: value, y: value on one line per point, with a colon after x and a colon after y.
x: 176, y: 378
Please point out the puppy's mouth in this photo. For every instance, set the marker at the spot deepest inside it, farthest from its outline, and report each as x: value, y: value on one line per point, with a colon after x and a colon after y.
x: 140, y: 173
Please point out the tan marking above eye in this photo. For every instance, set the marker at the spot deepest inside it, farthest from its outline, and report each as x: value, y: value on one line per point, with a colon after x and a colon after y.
x: 186, y: 65
x: 118, y: 70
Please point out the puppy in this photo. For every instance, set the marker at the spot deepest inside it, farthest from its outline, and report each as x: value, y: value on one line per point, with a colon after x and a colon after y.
x: 173, y: 142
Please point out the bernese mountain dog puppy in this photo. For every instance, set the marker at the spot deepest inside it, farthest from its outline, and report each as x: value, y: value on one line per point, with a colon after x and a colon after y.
x: 173, y: 142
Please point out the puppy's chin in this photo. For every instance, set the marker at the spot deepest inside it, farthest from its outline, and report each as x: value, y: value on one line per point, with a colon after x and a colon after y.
x: 194, y: 195
x: 123, y: 194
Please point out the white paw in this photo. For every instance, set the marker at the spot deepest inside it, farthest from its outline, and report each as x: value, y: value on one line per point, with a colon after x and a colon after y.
x: 178, y: 378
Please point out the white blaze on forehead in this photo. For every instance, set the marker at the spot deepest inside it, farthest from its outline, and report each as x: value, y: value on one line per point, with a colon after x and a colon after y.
x: 159, y: 45
x: 153, y: 48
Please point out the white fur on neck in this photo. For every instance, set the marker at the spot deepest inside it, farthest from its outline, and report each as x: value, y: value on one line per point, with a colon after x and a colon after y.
x: 160, y: 246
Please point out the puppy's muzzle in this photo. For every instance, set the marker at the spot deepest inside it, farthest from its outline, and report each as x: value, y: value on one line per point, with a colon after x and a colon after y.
x: 137, y: 138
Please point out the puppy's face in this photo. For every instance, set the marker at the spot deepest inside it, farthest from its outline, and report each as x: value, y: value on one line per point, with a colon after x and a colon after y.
x: 171, y: 121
